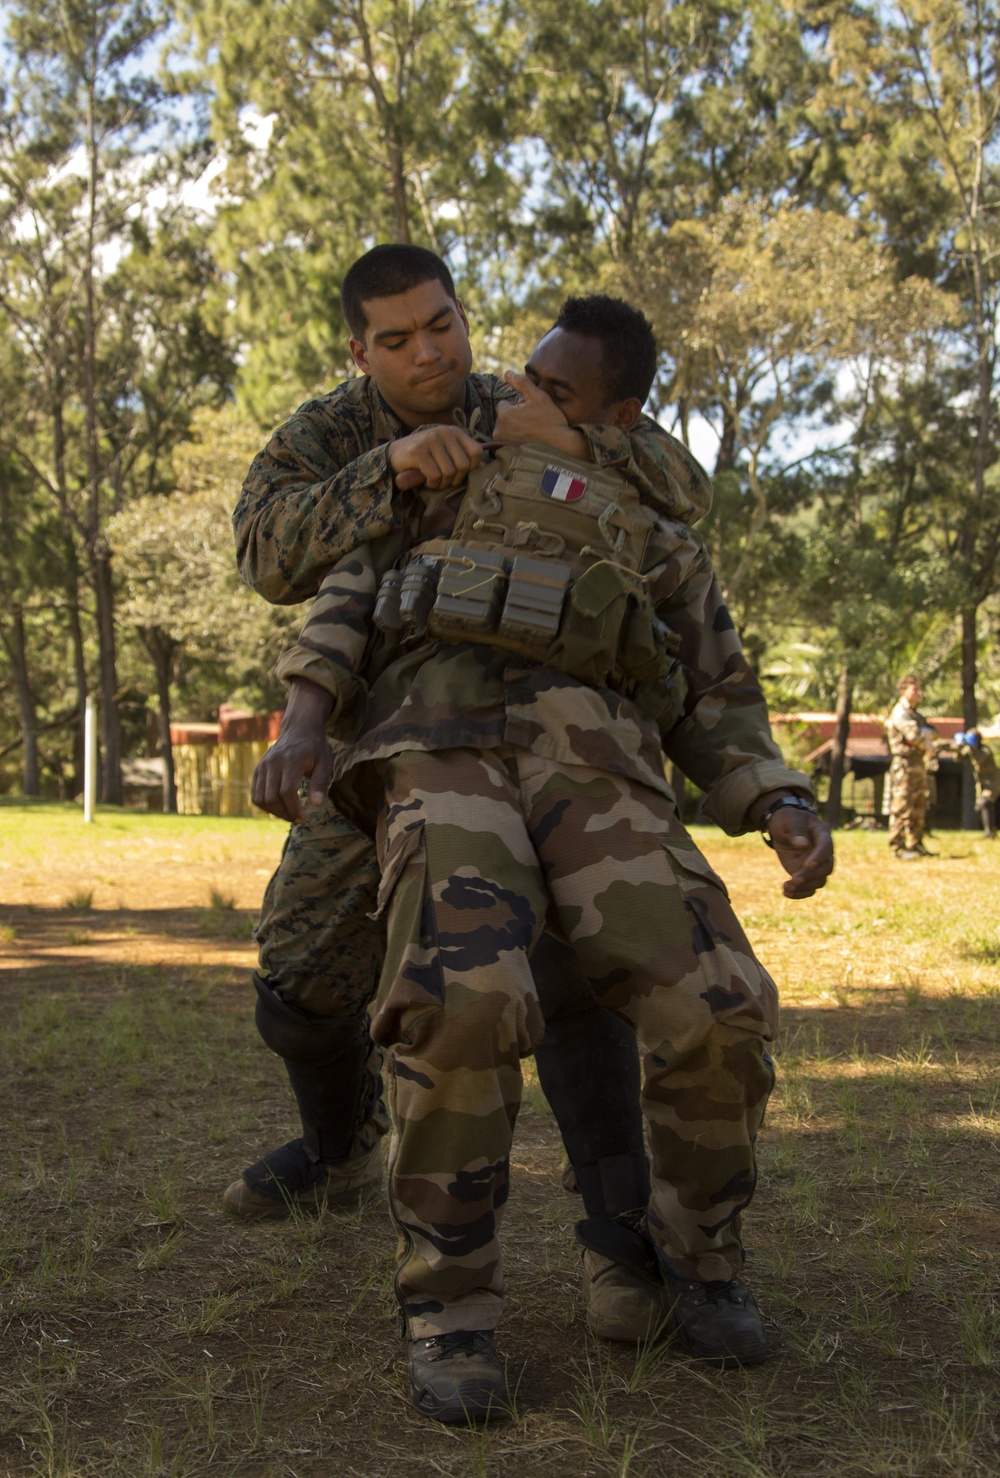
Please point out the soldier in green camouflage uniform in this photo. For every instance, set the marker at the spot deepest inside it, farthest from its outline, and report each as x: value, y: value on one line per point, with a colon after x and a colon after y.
x: 325, y: 483
x: 511, y: 789
x: 970, y: 747
x: 910, y: 739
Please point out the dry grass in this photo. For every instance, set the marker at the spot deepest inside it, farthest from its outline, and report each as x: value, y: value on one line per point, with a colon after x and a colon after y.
x: 142, y: 1333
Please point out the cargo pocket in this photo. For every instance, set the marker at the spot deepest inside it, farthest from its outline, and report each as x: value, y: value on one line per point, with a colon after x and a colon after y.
x: 412, y: 983
x: 736, y: 990
x: 692, y: 868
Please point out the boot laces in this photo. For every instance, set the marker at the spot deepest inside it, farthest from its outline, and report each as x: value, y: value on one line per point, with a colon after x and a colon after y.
x: 459, y: 1342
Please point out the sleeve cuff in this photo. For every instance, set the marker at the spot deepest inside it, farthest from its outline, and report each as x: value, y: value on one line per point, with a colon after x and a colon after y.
x: 297, y: 662
x: 731, y: 797
x: 609, y: 445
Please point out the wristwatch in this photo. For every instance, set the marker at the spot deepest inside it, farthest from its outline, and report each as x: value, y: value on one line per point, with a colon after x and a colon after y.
x: 797, y: 802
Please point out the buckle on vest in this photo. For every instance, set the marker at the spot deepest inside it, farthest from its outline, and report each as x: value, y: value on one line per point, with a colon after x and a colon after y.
x: 613, y: 541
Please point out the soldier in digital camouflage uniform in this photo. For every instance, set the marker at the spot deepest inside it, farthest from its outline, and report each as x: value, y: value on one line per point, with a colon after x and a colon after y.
x: 330, y: 479
x: 511, y: 789
x: 911, y: 739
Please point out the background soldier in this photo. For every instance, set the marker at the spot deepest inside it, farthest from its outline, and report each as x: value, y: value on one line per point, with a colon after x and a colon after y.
x: 970, y: 747
x: 910, y: 739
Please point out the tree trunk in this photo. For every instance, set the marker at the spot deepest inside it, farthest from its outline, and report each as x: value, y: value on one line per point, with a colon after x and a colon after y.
x: 79, y: 662
x: 162, y: 651
x: 838, y: 754
x: 728, y: 445
x: 17, y: 652
x: 111, y: 729
x: 970, y: 713
x: 97, y: 549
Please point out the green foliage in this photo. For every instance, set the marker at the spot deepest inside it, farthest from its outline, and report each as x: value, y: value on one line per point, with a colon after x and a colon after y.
x: 803, y: 198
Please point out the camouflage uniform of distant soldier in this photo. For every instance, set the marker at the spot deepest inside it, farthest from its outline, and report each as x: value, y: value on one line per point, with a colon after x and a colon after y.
x: 911, y: 740
x: 510, y: 788
x: 323, y: 485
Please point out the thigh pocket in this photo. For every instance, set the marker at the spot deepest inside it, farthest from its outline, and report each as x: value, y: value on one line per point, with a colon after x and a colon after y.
x: 692, y: 869
x: 735, y: 988
x: 412, y: 978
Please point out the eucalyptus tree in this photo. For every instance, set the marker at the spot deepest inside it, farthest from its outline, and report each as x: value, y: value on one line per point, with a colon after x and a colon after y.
x: 341, y: 123
x: 646, y: 113
x: 88, y: 284
x: 762, y: 307
x: 922, y: 81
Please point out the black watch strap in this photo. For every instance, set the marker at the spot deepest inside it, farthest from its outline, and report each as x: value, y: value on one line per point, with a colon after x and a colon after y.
x: 797, y: 802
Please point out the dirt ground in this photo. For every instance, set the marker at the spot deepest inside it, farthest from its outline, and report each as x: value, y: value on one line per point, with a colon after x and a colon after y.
x: 142, y: 1332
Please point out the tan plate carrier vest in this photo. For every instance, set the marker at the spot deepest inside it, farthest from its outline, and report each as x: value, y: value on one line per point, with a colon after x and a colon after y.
x: 545, y: 561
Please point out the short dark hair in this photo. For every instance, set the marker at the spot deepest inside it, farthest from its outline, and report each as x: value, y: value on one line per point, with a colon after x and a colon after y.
x: 384, y: 272
x: 909, y: 680
x: 627, y: 335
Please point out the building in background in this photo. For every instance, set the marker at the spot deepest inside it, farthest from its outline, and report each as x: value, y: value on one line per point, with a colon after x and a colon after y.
x: 866, y: 764
x: 214, y: 762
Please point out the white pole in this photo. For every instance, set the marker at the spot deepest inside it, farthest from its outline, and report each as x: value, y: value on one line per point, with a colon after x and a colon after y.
x: 89, y: 759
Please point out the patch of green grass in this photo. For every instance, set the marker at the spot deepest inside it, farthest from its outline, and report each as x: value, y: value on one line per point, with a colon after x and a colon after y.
x: 80, y: 901
x: 146, y: 1334
x: 983, y: 947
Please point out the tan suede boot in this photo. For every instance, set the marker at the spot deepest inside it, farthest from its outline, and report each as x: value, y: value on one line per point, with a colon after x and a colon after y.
x: 340, y: 1187
x: 622, y: 1302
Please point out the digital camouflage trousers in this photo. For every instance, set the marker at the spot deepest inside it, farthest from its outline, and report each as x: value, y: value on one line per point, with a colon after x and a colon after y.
x: 907, y: 803
x: 477, y: 849
x: 319, y: 950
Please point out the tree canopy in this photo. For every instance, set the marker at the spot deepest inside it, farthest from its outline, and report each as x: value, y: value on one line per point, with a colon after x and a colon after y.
x: 803, y: 198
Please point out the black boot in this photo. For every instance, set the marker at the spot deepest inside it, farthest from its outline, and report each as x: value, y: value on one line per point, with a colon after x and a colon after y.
x: 326, y: 1060
x: 588, y: 1066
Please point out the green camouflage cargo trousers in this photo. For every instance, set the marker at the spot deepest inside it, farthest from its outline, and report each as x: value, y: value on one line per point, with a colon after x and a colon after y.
x: 907, y: 802
x: 477, y: 849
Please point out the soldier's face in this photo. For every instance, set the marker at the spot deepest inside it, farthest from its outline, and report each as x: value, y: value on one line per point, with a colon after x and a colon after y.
x: 416, y: 349
x: 913, y: 693
x: 569, y: 368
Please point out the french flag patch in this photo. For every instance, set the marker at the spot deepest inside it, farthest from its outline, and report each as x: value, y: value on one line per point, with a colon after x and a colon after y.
x: 565, y: 486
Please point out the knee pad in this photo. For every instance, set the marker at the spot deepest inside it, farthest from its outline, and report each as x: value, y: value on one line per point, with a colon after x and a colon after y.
x: 614, y: 1185
x: 299, y: 1036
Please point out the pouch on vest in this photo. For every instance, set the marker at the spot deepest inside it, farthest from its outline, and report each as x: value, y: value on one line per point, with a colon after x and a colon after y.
x: 647, y: 645
x: 589, y: 635
x: 663, y: 698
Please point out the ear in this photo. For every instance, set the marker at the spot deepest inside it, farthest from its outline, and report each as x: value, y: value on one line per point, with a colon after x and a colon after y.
x: 625, y: 413
x: 462, y: 314
x: 360, y: 355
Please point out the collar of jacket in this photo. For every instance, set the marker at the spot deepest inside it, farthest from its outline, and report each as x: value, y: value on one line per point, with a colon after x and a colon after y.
x: 387, y: 426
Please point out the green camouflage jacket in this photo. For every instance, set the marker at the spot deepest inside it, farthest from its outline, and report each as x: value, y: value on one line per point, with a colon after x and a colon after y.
x: 323, y: 486
x: 445, y: 695
x: 985, y: 768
